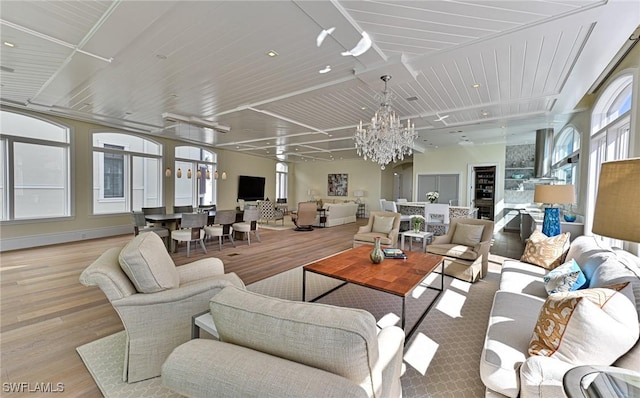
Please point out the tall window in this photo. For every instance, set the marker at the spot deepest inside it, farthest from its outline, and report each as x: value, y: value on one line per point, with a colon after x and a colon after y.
x: 35, y: 176
x: 610, y: 123
x: 565, y: 157
x: 195, y: 176
x: 127, y: 172
x: 282, y: 171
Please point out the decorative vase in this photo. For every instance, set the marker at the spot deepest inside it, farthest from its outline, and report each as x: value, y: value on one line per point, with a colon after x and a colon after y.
x: 416, y: 228
x: 376, y: 255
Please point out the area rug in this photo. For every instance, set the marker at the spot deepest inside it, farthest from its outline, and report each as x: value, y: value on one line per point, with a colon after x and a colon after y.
x: 278, y: 225
x: 442, y: 359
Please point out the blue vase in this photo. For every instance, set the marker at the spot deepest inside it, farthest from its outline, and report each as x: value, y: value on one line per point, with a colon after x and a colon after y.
x: 551, y: 223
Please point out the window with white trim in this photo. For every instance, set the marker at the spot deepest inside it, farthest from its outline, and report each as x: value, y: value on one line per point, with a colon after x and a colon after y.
x: 610, y: 136
x: 35, y: 169
x: 282, y: 172
x: 196, y: 176
x: 127, y: 171
x: 565, y: 157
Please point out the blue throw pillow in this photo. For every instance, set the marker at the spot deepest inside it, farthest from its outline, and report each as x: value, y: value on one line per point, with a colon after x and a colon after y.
x: 564, y: 278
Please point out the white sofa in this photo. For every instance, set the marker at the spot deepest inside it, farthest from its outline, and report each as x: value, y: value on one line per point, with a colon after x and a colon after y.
x: 339, y: 213
x: 506, y: 368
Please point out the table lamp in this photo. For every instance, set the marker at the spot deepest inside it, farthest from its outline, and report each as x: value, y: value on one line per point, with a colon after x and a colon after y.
x: 553, y: 194
x: 617, y: 210
x: 358, y: 195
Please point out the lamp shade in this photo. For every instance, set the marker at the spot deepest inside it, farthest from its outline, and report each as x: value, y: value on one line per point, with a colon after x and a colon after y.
x: 617, y: 210
x: 358, y: 194
x: 554, y: 194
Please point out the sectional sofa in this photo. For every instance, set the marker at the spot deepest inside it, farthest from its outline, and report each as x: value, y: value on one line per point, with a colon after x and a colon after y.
x: 604, y: 336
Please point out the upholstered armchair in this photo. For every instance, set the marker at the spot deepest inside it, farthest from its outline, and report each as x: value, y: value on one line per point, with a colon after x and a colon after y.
x: 465, y: 248
x: 154, y: 299
x: 305, y: 216
x: 269, y: 212
x: 382, y: 224
x: 281, y: 349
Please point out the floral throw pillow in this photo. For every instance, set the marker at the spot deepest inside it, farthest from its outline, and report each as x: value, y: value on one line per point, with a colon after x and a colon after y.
x: 589, y: 326
x: 565, y: 278
x: 546, y: 252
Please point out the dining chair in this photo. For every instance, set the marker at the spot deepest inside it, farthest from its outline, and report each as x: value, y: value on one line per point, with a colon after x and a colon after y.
x: 436, y: 217
x: 223, y: 226
x: 249, y: 224
x: 140, y: 226
x: 389, y: 205
x: 154, y: 210
x: 192, y: 225
x: 183, y: 209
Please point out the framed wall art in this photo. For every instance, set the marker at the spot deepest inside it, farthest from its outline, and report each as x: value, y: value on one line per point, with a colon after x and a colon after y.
x: 337, y: 184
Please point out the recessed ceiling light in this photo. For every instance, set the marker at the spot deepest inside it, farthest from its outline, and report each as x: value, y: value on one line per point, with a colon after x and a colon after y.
x: 475, y: 85
x: 326, y: 69
x: 414, y: 98
x: 8, y: 44
x: 272, y: 53
x: 485, y: 113
x: 364, y: 108
x: 330, y: 135
x: 161, y: 56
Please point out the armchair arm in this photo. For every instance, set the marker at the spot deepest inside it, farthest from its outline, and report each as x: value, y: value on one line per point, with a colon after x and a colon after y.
x: 181, y: 293
x: 390, y: 349
x: 200, y: 269
x: 364, y: 229
x: 482, y: 249
x: 441, y: 239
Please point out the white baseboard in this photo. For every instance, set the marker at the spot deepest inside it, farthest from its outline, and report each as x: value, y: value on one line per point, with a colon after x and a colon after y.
x: 25, y: 242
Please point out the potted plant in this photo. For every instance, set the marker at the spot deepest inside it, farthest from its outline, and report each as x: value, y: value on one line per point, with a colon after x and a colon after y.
x: 416, y: 222
x: 433, y: 196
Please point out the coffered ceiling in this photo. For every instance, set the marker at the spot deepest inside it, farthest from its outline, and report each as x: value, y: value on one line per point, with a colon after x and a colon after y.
x: 496, y: 70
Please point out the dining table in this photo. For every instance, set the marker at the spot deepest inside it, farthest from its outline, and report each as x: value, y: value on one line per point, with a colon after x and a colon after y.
x: 172, y: 220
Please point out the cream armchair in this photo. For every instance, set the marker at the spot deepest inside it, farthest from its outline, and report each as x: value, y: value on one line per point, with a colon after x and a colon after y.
x: 465, y: 248
x: 154, y: 299
x: 279, y: 348
x: 382, y: 224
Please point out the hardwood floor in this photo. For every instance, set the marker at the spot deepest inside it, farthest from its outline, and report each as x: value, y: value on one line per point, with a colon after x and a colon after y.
x: 46, y: 313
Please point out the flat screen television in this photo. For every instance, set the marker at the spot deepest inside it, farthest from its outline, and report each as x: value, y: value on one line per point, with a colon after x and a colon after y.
x: 251, y: 188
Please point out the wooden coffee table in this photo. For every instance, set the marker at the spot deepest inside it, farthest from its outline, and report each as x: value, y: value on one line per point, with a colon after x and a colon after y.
x: 394, y: 276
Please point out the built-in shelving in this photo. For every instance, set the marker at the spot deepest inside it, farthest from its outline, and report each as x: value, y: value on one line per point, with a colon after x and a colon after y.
x: 485, y: 191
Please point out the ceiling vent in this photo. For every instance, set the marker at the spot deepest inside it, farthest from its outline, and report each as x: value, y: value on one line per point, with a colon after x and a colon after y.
x: 195, y: 121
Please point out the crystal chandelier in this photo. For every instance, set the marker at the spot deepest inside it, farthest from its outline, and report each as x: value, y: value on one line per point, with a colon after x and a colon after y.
x: 385, y: 139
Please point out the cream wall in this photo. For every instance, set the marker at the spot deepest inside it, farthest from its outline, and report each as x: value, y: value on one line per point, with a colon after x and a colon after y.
x: 363, y: 175
x: 458, y: 159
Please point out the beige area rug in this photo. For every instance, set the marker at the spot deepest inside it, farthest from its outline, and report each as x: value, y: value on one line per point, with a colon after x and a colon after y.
x: 442, y: 359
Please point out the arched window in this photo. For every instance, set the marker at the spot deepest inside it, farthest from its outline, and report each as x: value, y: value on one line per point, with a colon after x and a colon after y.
x: 610, y: 125
x: 195, y: 176
x: 127, y: 171
x: 35, y: 178
x: 565, y: 156
x: 282, y: 171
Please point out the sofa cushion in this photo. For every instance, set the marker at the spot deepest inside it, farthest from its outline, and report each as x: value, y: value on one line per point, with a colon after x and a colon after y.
x: 467, y: 234
x: 336, y: 339
x: 547, y: 252
x: 590, y: 326
x: 382, y: 224
x: 564, y: 278
x: 146, y: 262
x: 519, y: 277
x: 513, y: 316
x: 452, y: 250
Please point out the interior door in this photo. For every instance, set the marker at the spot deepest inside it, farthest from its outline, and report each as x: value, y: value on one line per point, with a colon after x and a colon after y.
x: 446, y: 184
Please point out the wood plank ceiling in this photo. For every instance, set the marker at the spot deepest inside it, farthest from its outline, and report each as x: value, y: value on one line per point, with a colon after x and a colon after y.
x: 498, y: 70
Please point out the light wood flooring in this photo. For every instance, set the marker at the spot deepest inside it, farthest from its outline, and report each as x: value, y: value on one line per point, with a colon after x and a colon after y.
x: 46, y: 313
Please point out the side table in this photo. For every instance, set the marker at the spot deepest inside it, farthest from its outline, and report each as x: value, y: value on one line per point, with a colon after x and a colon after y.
x: 422, y: 235
x: 203, y: 321
x: 601, y: 381
x: 361, y: 211
x: 322, y: 217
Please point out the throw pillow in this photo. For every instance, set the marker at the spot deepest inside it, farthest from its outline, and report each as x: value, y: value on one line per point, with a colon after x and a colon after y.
x: 590, y: 326
x: 467, y: 234
x: 565, y: 278
x: 544, y: 251
x: 148, y: 265
x: 382, y: 224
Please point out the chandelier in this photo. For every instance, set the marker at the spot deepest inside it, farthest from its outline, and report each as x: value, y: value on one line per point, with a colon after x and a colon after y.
x: 385, y: 139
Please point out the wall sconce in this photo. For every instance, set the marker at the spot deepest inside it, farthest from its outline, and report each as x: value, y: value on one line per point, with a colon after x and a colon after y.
x: 179, y: 173
x: 167, y: 172
x: 189, y: 173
